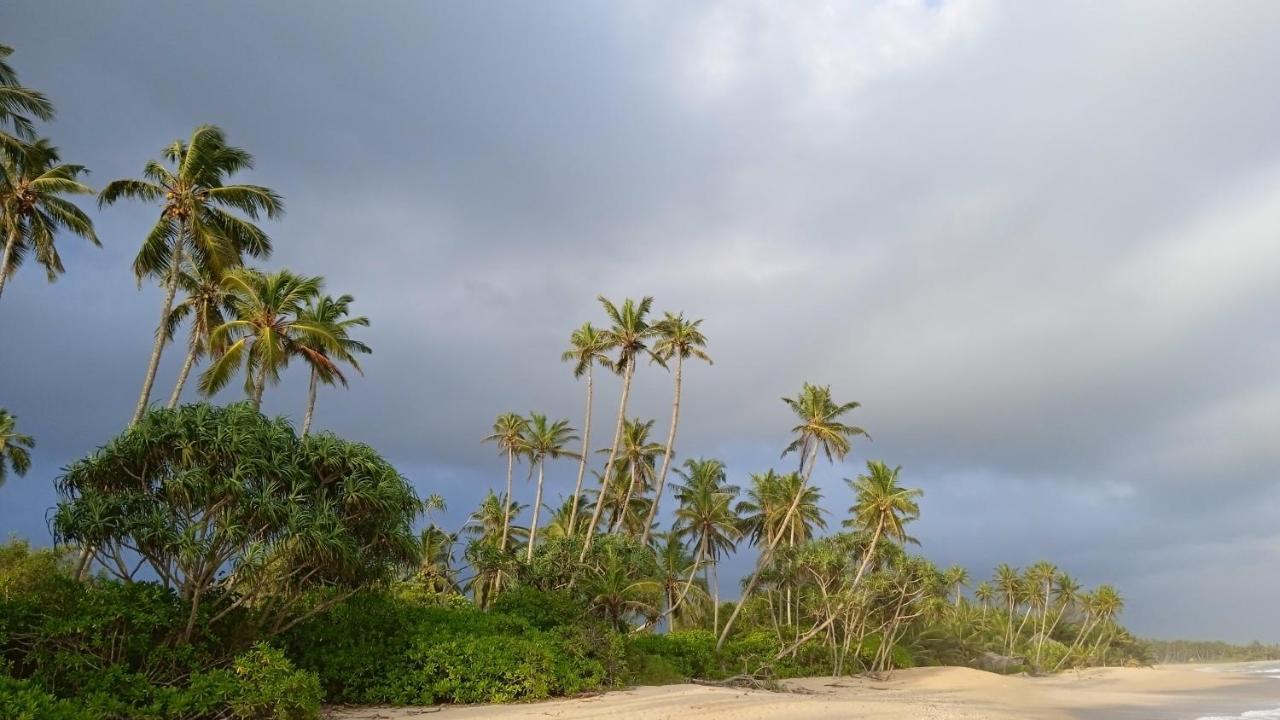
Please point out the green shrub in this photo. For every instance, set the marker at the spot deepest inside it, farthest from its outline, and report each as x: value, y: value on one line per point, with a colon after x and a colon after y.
x: 24, y: 700
x: 270, y: 688
x: 674, y: 657
x: 542, y: 609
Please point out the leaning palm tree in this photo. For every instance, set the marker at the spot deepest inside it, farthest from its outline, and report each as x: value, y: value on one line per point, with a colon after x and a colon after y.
x: 820, y: 429
x: 267, y: 330
x: 33, y: 209
x: 587, y: 348
x: 882, y: 509
x: 18, y: 106
x: 208, y: 304
x: 629, y: 336
x: 683, y: 597
x: 324, y: 350
x: 544, y: 440
x: 15, y: 448
x: 678, y: 339
x: 635, y: 465
x: 508, y: 433
x: 196, y: 221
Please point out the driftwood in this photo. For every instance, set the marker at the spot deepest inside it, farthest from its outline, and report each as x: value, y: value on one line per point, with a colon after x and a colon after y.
x: 992, y: 662
x: 752, y: 682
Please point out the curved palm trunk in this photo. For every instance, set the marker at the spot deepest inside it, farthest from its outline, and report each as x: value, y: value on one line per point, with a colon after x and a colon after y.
x: 666, y: 455
x: 537, y: 505
x: 613, y: 455
x: 259, y: 387
x: 149, y: 381
x: 182, y: 374
x: 9, y: 245
x: 620, y: 517
x: 311, y: 403
x: 506, y: 500
x: 582, y: 463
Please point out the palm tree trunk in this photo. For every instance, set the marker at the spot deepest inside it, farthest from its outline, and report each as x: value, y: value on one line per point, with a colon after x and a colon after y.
x: 620, y: 518
x: 175, y: 265
x: 311, y: 403
x: 259, y: 387
x: 582, y: 463
x: 506, y: 500
x: 537, y: 505
x: 666, y: 455
x: 186, y: 370
x: 715, y: 597
x: 9, y: 245
x: 613, y: 454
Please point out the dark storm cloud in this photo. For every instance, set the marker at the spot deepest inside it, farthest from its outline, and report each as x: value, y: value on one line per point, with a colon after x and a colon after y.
x: 1037, y: 243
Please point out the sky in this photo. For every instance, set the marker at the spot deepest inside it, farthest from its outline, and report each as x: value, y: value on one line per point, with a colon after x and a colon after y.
x: 1038, y: 242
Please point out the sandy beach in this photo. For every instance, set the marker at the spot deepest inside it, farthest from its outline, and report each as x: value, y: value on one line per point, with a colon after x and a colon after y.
x: 919, y: 694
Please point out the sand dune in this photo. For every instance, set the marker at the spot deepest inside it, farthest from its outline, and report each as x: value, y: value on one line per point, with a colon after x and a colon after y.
x: 919, y: 694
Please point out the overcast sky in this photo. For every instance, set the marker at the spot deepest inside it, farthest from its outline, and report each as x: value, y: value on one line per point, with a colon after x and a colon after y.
x: 1039, y: 243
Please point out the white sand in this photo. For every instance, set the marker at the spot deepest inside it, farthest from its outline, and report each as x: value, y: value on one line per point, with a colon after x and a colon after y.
x: 920, y: 694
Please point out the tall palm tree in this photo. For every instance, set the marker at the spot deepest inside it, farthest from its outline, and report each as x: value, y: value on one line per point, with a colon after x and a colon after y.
x: 335, y: 345
x: 18, y: 105
x: 635, y: 467
x: 678, y: 339
x: 882, y: 508
x: 508, y: 433
x: 1040, y: 579
x: 707, y: 517
x: 1008, y: 583
x: 197, y: 221
x: 268, y: 329
x: 542, y: 440
x: 984, y: 594
x: 208, y: 305
x: 587, y: 348
x: 15, y: 448
x: 33, y: 209
x: 955, y: 578
x: 628, y: 336
x: 820, y: 429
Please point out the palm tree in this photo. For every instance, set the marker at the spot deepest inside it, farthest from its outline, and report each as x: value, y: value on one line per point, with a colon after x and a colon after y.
x: 616, y: 593
x: 488, y: 560
x: 635, y: 464
x: 542, y: 440
x: 706, y: 516
x: 196, y: 220
x: 508, y: 433
x: 587, y: 348
x: 820, y: 429
x: 16, y: 104
x: 955, y: 578
x: 683, y: 597
x: 1008, y: 585
x: 208, y: 305
x: 1040, y: 577
x: 436, y: 568
x: 268, y: 330
x: 337, y: 346
x: 15, y: 448
x: 983, y: 594
x: 882, y: 508
x: 678, y: 339
x: 33, y: 209
x: 629, y: 336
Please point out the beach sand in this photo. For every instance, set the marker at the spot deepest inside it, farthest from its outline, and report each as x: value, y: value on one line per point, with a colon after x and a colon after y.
x: 920, y: 694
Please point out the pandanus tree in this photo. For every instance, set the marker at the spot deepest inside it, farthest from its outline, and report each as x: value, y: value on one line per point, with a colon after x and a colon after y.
x: 543, y: 439
x: 588, y: 347
x: 15, y: 448
x: 508, y: 433
x: 330, y: 346
x: 20, y: 106
x: 629, y: 336
x: 678, y: 340
x: 820, y: 430
x: 208, y: 305
x: 34, y: 209
x: 268, y: 330
x: 203, y: 220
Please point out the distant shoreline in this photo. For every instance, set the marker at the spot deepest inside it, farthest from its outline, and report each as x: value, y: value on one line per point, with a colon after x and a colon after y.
x: 948, y: 693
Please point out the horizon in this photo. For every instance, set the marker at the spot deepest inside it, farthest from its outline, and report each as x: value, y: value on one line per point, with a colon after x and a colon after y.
x: 1037, y: 245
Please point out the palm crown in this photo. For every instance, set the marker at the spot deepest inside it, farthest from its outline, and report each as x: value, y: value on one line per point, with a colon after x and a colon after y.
x: 15, y: 448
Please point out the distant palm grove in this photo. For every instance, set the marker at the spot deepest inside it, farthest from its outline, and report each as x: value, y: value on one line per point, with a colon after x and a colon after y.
x: 212, y: 562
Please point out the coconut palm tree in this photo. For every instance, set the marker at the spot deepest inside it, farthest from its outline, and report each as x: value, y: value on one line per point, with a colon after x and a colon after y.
x: 955, y: 578
x: 335, y: 345
x: 490, y: 563
x: 628, y: 336
x: 436, y: 569
x: 820, y: 428
x: 1008, y: 584
x: 1039, y: 579
x: 707, y: 518
x: 18, y: 105
x: 542, y: 440
x: 34, y: 209
x: 508, y: 433
x: 635, y: 467
x: 198, y: 220
x: 268, y: 330
x: 617, y: 593
x: 882, y: 509
x: 683, y: 597
x: 984, y: 594
x: 678, y: 340
x: 15, y: 448
x: 208, y: 305
x: 587, y: 348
